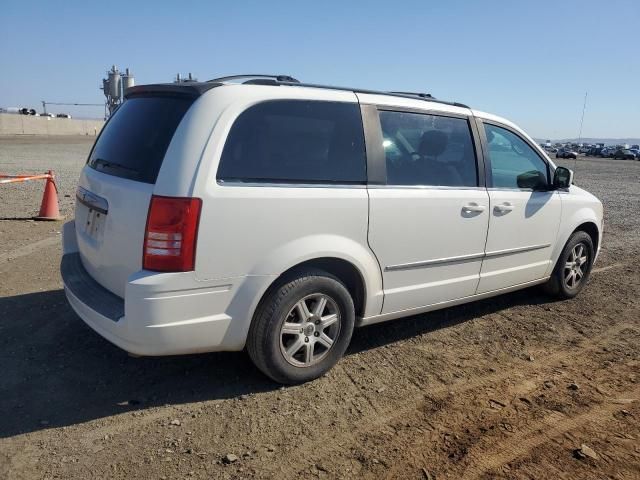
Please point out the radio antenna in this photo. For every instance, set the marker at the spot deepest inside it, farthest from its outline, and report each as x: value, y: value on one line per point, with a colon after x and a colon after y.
x: 584, y: 107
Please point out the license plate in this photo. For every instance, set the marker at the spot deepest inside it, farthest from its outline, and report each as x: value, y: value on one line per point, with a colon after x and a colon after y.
x: 96, y: 209
x: 93, y: 223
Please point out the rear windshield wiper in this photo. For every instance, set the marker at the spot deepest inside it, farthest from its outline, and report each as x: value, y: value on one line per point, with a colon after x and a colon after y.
x: 112, y: 165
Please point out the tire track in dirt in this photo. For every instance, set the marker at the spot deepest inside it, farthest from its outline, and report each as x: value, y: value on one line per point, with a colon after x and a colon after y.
x: 513, y: 393
x: 520, y: 444
x: 29, y: 249
x: 410, y: 378
x: 608, y: 267
x: 416, y: 402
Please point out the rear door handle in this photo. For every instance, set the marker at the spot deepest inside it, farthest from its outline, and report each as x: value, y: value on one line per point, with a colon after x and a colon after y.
x: 504, y: 208
x: 473, y: 208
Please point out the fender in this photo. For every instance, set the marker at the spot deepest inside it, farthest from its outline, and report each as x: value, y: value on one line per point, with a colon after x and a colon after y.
x: 311, y: 247
x: 287, y: 256
x: 572, y: 219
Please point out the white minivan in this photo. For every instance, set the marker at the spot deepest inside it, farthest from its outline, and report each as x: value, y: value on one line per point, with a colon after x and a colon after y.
x: 263, y: 213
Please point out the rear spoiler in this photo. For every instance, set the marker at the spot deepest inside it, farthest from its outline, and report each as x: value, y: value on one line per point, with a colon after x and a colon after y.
x: 187, y: 89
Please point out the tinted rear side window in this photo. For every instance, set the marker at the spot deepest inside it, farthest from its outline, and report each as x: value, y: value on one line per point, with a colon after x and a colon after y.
x: 422, y: 149
x: 135, y: 139
x: 296, y: 141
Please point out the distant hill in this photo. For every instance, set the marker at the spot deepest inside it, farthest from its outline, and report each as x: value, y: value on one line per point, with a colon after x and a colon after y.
x: 606, y: 141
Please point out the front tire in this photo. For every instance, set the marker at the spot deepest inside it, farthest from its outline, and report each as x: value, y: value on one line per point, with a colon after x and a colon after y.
x: 573, y: 268
x: 302, y: 327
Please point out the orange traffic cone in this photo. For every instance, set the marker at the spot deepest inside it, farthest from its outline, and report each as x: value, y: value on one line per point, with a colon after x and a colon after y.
x: 49, y: 206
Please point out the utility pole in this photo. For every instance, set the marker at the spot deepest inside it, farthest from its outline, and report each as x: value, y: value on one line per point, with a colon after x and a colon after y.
x: 584, y: 107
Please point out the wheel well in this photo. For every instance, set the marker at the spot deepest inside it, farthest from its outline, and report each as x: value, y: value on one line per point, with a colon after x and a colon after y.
x: 345, y: 271
x: 592, y: 230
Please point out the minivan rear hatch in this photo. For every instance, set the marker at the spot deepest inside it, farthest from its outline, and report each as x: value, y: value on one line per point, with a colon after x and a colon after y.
x: 117, y: 182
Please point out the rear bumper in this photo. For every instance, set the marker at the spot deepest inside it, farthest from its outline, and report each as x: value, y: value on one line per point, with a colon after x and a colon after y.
x: 162, y: 313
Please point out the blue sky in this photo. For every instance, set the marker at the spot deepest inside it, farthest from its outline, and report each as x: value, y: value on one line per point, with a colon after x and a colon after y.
x: 531, y: 62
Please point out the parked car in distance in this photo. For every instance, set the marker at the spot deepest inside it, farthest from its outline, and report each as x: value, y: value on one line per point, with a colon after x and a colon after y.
x: 595, y: 152
x: 636, y: 152
x: 272, y: 215
x: 624, y: 154
x: 63, y: 115
x: 566, y: 153
x: 50, y: 115
x: 607, y: 152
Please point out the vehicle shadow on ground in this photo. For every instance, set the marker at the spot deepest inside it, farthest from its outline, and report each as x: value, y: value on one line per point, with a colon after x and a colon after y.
x: 58, y: 372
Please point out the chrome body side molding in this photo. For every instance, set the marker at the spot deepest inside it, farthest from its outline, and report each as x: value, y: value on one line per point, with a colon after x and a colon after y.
x: 463, y: 258
x: 509, y: 251
x: 437, y: 261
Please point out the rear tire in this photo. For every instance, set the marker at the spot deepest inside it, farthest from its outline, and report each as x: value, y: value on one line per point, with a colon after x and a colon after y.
x: 573, y: 268
x: 302, y: 327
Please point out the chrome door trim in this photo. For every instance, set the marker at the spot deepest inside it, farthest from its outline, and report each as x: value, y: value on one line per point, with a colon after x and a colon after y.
x: 423, y: 187
x: 231, y: 183
x: 509, y: 251
x: 437, y: 261
x: 514, y: 189
x: 463, y: 258
x: 92, y: 200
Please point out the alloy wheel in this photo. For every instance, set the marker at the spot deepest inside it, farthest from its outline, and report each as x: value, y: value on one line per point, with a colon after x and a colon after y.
x: 576, y: 265
x: 309, y: 330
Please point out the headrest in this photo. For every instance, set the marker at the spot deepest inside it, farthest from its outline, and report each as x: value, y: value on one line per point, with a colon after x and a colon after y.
x: 433, y: 143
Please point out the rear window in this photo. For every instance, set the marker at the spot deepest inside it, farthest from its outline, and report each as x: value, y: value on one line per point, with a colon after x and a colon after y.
x: 135, y: 139
x: 296, y: 141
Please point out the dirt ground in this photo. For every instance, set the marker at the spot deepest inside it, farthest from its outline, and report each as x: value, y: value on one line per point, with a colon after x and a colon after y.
x: 507, y: 388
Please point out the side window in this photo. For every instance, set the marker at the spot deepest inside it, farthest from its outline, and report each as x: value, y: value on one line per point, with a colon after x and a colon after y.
x: 296, y: 141
x: 423, y: 149
x: 514, y: 164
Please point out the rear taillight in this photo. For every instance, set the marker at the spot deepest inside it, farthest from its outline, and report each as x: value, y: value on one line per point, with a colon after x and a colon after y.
x: 171, y: 233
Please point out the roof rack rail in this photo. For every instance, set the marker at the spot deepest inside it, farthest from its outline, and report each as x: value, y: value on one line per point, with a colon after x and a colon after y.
x: 414, y: 94
x: 423, y: 96
x: 287, y: 80
x: 277, y: 78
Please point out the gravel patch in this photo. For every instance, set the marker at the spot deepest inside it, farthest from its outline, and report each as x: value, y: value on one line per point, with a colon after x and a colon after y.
x: 64, y: 155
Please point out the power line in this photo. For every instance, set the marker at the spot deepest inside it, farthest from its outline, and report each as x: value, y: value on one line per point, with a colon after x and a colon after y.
x: 45, y: 103
x: 76, y: 104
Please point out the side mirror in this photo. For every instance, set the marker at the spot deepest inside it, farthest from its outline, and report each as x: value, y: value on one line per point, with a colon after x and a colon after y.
x: 534, y: 180
x: 562, y: 178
